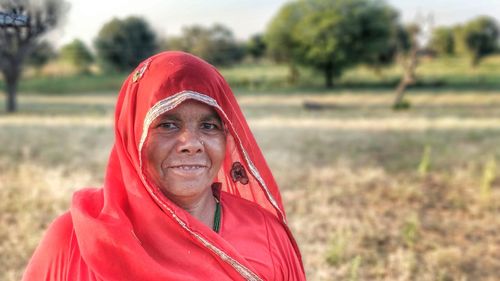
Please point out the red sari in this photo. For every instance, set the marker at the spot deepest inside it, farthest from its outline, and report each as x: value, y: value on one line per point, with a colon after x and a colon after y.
x: 128, y: 230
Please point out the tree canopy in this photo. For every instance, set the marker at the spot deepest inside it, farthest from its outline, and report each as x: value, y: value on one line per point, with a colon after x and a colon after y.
x: 256, y: 46
x: 280, y: 38
x: 443, y: 41
x: 122, y: 44
x: 332, y: 36
x: 481, y: 38
x: 280, y: 34
x: 78, y: 55
x: 42, y: 53
x: 215, y: 44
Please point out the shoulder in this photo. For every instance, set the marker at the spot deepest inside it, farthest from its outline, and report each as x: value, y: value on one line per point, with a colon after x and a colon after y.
x: 60, y: 229
x: 52, y: 251
x: 261, y: 220
x: 248, y: 211
x: 58, y: 235
x: 259, y: 235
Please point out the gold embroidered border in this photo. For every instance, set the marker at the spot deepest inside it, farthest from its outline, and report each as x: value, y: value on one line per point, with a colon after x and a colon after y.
x: 168, y: 104
x: 242, y: 270
x: 171, y: 102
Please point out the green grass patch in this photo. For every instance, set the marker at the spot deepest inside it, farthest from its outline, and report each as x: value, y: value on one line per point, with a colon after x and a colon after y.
x: 70, y: 84
x: 439, y: 74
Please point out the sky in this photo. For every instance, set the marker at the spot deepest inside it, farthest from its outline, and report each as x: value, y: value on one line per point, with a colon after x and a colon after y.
x: 244, y: 17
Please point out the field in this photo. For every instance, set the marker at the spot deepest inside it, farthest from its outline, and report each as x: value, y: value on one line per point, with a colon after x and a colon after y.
x: 442, y: 74
x: 371, y: 194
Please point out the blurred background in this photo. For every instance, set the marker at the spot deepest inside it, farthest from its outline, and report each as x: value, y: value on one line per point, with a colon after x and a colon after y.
x: 379, y: 119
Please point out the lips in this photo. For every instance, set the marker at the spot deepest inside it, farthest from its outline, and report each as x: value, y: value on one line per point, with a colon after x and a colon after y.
x: 188, y: 170
x: 188, y: 167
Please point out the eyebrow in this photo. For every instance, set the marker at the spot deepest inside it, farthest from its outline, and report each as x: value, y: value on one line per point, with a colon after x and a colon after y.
x: 168, y: 116
x: 211, y: 116
x: 176, y: 117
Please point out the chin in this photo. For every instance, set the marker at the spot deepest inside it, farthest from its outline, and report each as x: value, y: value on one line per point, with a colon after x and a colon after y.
x: 187, y: 188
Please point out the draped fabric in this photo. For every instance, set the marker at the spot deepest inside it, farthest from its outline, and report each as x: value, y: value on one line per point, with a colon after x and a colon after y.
x: 128, y: 230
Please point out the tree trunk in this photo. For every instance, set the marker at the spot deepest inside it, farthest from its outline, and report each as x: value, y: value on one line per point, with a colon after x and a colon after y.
x: 400, y: 91
x: 11, y: 87
x: 17, y: 41
x: 475, y: 61
x: 329, y: 76
x: 409, y: 75
x: 293, y: 75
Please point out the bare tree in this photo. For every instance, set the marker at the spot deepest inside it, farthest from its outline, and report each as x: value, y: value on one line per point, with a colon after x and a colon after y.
x: 409, y: 62
x: 407, y: 55
x: 22, y: 23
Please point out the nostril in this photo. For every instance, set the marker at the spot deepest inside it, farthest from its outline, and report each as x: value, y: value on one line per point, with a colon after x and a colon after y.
x: 189, y: 142
x: 191, y: 150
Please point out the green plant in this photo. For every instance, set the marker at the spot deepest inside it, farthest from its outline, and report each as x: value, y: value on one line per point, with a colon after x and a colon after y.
x: 425, y: 161
x: 489, y: 174
x: 336, y: 253
x: 410, y: 230
x: 354, y: 270
x: 403, y: 105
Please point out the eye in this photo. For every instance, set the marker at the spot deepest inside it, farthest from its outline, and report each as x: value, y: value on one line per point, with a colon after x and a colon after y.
x: 209, y: 126
x: 168, y: 125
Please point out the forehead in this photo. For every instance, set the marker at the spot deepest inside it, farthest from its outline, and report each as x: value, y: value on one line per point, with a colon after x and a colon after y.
x: 191, y: 109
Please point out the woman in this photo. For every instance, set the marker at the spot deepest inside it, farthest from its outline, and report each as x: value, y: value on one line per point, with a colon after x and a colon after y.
x: 187, y: 194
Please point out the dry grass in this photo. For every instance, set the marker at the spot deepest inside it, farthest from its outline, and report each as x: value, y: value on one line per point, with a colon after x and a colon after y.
x: 433, y: 228
x: 356, y: 200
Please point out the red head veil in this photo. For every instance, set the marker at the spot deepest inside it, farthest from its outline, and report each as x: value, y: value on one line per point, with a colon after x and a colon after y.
x: 129, y: 230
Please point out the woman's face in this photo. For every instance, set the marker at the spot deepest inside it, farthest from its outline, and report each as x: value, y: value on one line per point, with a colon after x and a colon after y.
x: 184, y: 150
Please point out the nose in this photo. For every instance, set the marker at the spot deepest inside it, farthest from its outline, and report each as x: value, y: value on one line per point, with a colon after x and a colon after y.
x: 189, y: 142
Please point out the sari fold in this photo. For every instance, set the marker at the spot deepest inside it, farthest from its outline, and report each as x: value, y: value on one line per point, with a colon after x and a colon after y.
x: 128, y: 230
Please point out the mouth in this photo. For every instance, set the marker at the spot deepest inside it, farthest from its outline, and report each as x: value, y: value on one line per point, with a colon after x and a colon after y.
x: 188, y: 170
x: 188, y: 167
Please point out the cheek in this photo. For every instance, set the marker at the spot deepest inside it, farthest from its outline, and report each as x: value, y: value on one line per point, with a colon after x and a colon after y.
x: 154, y: 155
x: 218, y: 151
x: 149, y: 163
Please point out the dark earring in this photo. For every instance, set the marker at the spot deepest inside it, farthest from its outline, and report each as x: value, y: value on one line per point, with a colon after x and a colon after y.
x: 238, y: 173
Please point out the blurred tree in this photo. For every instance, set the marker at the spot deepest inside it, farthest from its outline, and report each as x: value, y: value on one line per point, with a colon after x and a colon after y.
x: 481, y: 38
x: 223, y: 48
x: 408, y: 48
x: 335, y: 35
x: 17, y: 41
x: 122, y: 44
x: 382, y: 36
x: 78, y: 55
x: 398, y: 45
x: 256, y: 46
x: 282, y: 44
x: 458, y: 38
x: 331, y: 36
x: 195, y: 39
x: 443, y: 41
x: 41, y: 55
x: 216, y: 44
x: 174, y: 43
x: 404, y: 38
